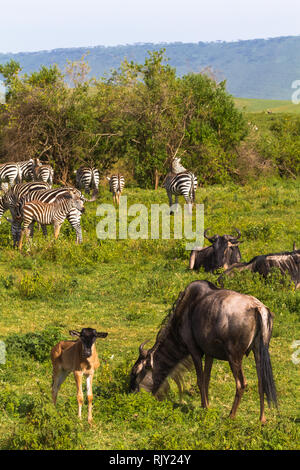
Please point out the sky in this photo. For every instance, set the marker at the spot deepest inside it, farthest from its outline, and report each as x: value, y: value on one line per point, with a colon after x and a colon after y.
x: 33, y: 25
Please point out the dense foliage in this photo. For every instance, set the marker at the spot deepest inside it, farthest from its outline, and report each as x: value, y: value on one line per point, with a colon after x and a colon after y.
x: 142, y: 114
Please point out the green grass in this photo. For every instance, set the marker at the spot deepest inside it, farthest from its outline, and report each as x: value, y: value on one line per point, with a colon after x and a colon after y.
x: 126, y: 287
x: 250, y: 105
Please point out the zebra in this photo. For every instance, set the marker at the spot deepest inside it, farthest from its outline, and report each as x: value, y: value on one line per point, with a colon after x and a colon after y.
x: 48, y: 214
x: 87, y: 178
x: 44, y: 173
x: 26, y: 169
x: 19, y: 190
x: 10, y: 174
x: 180, y: 183
x: 10, y: 200
x: 50, y: 196
x: 116, y: 185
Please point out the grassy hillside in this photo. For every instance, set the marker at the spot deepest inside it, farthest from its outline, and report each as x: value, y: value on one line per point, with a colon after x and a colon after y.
x: 126, y: 287
x: 258, y: 68
x: 249, y: 105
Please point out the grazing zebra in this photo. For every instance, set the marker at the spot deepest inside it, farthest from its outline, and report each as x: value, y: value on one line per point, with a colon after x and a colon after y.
x: 48, y: 214
x: 10, y: 173
x: 48, y: 197
x: 44, y: 173
x: 182, y: 183
x: 87, y: 178
x: 116, y: 185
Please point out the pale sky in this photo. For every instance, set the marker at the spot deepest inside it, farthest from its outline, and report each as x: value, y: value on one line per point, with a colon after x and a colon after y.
x: 33, y: 25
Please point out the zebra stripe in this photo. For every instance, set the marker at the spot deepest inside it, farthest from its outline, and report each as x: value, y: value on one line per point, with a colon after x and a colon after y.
x: 48, y: 214
x: 26, y: 170
x: 116, y: 185
x: 87, y: 178
x: 52, y: 195
x: 44, y: 173
x: 181, y: 184
x: 10, y: 199
x: 10, y: 173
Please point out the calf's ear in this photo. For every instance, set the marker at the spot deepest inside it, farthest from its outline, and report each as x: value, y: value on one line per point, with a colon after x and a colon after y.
x: 74, y: 333
x: 101, y: 334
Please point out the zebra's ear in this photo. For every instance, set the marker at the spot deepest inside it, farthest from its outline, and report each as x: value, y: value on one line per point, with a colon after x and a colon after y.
x: 108, y: 178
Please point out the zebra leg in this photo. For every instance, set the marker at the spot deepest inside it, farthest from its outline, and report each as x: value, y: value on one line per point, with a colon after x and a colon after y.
x: 44, y: 230
x: 170, y: 202
x: 24, y: 231
x: 190, y: 205
x: 56, y: 230
x: 31, y: 228
x: 78, y: 234
x: 176, y: 204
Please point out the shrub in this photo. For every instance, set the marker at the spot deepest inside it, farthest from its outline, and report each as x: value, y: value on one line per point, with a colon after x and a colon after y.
x: 36, y: 345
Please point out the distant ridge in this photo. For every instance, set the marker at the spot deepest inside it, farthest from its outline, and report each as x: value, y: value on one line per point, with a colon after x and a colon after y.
x: 256, y: 68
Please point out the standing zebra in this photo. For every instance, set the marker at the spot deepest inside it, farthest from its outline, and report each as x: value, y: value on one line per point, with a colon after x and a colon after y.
x: 10, y: 201
x: 182, y: 183
x: 10, y: 173
x: 43, y: 173
x: 26, y: 170
x: 49, y: 197
x: 87, y: 178
x: 12, y: 197
x: 116, y: 185
x: 48, y: 214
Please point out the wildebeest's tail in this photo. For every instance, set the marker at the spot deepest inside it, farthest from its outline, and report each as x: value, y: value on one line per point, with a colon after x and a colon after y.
x: 265, y: 369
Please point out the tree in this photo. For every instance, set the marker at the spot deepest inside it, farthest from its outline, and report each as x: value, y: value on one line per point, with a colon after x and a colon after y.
x: 46, y: 118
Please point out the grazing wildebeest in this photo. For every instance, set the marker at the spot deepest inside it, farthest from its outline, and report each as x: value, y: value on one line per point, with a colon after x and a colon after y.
x: 79, y: 357
x: 217, y: 323
x: 286, y: 262
x: 222, y: 253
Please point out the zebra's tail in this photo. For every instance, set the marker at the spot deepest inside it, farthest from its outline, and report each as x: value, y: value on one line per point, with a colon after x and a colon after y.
x: 94, y: 185
x: 192, y: 190
x: 19, y: 175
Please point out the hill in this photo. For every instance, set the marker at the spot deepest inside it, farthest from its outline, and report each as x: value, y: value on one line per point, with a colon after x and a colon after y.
x: 249, y: 105
x: 258, y: 68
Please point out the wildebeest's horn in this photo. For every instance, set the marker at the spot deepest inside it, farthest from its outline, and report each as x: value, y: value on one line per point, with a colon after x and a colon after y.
x: 238, y: 232
x: 211, y: 239
x: 141, y: 348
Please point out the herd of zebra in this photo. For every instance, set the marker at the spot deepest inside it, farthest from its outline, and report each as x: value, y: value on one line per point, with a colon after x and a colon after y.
x: 30, y: 198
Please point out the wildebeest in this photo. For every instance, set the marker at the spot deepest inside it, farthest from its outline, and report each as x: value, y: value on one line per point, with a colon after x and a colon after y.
x: 79, y: 357
x: 222, y: 253
x: 215, y: 323
x: 286, y: 261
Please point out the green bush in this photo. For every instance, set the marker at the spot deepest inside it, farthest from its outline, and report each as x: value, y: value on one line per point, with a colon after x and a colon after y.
x: 36, y: 345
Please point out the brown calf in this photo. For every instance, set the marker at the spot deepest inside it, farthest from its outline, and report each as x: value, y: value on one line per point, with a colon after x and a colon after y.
x: 79, y: 357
